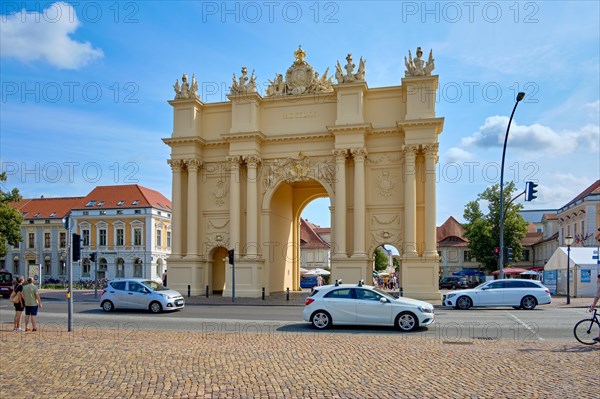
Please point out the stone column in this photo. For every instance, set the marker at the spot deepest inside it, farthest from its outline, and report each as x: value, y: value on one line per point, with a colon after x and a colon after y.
x: 234, y: 203
x: 410, y: 201
x: 177, y: 220
x: 431, y: 155
x: 359, y: 202
x: 193, y: 165
x: 252, y: 206
x: 340, y: 203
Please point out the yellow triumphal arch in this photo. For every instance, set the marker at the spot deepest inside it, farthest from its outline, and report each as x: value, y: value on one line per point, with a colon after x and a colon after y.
x: 244, y: 169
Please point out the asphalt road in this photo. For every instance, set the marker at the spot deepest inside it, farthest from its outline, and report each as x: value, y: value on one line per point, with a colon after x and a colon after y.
x: 494, y: 324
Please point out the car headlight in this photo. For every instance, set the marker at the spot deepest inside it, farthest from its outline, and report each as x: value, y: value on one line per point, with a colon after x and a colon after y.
x: 450, y: 296
x: 425, y: 310
x: 165, y: 296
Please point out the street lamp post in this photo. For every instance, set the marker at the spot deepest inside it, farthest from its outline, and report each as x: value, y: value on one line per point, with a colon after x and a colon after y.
x: 569, y: 242
x: 501, y: 255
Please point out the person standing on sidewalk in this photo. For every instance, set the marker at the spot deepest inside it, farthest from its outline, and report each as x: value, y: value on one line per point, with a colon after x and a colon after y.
x: 19, y: 306
x: 32, y: 302
x: 594, y: 303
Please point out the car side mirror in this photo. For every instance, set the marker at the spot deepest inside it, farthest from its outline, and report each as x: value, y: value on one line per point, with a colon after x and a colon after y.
x: 383, y: 300
x: 486, y: 287
x: 146, y: 291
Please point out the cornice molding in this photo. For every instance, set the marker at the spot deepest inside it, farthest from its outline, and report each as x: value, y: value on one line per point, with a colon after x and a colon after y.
x: 350, y: 128
x: 437, y: 123
x: 177, y: 141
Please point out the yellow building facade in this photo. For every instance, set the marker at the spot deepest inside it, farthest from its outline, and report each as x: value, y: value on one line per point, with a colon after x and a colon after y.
x: 243, y: 171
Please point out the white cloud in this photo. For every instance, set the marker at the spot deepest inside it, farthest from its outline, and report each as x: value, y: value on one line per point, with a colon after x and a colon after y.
x: 595, y: 105
x: 459, y: 155
x: 32, y: 36
x: 564, y: 187
x: 534, y: 137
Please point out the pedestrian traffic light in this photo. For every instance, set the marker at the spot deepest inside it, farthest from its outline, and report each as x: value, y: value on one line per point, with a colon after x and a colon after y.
x: 93, y: 256
x: 508, y: 254
x: 76, y: 247
x: 530, y: 190
x: 496, y: 253
x: 231, y: 254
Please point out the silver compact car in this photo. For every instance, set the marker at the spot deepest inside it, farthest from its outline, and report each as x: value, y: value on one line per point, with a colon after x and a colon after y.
x: 518, y: 293
x: 140, y: 293
x: 346, y: 304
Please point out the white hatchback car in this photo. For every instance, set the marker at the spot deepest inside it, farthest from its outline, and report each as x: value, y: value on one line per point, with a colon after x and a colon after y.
x: 347, y: 304
x: 140, y: 294
x: 518, y: 293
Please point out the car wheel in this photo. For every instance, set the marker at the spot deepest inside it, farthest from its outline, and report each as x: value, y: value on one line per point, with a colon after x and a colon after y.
x: 108, y: 306
x: 528, y: 302
x: 453, y: 287
x: 155, y: 307
x: 406, y: 321
x: 321, y: 319
x: 464, y: 303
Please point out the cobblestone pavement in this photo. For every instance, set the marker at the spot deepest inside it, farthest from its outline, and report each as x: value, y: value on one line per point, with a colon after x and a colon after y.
x: 97, y: 362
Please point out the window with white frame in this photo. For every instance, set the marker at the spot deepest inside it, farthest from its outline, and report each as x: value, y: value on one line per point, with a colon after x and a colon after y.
x: 137, y: 236
x: 102, y: 237
x: 168, y: 239
x: 31, y: 243
x: 137, y: 268
x: 63, y: 240
x: 120, y: 268
x: 46, y: 240
x: 85, y: 237
x: 120, y: 237
x: 159, y: 237
x: 85, y: 268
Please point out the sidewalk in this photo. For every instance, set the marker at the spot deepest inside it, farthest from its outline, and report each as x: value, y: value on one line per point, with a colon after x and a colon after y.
x: 275, y: 299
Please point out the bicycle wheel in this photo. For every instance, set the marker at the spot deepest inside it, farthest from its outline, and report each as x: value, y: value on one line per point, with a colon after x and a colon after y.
x: 586, y: 330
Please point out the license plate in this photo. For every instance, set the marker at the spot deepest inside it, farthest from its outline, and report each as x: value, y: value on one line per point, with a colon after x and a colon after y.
x: 178, y: 303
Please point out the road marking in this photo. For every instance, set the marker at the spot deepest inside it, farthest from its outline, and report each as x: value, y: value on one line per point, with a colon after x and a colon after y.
x: 526, y: 326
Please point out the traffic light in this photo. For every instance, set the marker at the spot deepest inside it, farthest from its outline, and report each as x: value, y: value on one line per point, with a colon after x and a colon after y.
x: 530, y: 190
x: 508, y: 254
x: 93, y: 256
x: 496, y: 253
x: 76, y: 247
x: 231, y: 254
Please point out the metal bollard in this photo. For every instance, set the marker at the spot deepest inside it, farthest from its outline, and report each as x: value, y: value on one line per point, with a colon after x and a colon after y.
x: 401, y: 291
x: 263, y: 293
x: 287, y: 294
x: 189, y: 290
x: 207, y: 291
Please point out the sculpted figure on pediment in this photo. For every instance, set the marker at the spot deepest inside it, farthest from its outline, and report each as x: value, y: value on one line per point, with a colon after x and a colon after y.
x: 245, y: 84
x: 418, y: 66
x: 184, y: 90
x: 350, y: 76
x: 300, y: 78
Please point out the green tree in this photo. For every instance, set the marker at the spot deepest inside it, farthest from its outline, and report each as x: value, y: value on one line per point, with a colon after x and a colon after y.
x: 381, y: 259
x: 483, y: 230
x: 10, y: 218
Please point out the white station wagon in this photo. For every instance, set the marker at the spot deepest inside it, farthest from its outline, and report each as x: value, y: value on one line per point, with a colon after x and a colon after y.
x: 348, y: 304
x: 518, y: 293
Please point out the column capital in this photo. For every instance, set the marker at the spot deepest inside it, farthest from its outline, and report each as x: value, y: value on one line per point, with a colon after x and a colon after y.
x: 234, y: 160
x: 193, y: 165
x: 252, y: 160
x: 177, y: 165
x: 359, y: 154
x: 410, y: 149
x: 340, y: 155
x: 431, y: 149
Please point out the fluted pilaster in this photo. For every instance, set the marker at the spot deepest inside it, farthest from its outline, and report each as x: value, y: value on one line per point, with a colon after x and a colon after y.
x: 410, y: 200
x: 252, y: 206
x: 340, y: 202
x: 234, y: 202
x: 193, y: 166
x: 359, y: 156
x: 431, y: 157
x: 177, y: 166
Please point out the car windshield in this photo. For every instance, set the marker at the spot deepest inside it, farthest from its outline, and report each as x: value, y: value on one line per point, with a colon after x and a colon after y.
x: 480, y: 286
x: 382, y: 292
x: 154, y: 286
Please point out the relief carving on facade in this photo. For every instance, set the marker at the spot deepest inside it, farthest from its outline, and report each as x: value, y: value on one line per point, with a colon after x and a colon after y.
x: 418, y: 66
x: 386, y: 183
x: 350, y: 76
x: 244, y: 85
x: 385, y: 229
x: 384, y: 158
x: 184, y: 90
x: 299, y: 168
x: 300, y: 78
x: 220, y: 192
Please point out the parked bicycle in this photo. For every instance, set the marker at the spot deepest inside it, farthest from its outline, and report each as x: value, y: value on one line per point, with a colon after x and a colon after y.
x: 587, y: 329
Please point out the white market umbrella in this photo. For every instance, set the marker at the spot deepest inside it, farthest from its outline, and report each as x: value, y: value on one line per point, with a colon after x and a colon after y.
x: 320, y: 272
x: 529, y: 273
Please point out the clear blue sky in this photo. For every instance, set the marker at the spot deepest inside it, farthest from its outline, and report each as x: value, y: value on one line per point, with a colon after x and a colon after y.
x: 85, y: 85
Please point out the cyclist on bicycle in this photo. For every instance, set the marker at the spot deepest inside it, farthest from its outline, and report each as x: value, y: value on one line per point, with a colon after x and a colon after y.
x: 594, y: 303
